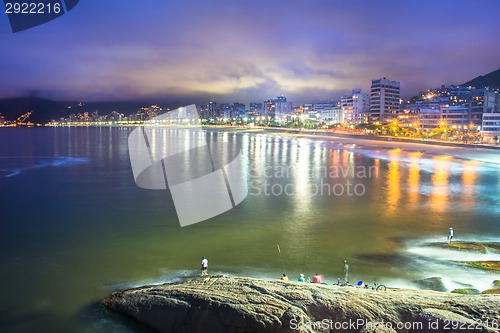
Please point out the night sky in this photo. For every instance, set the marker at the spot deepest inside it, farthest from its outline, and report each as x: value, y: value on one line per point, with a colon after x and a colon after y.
x: 248, y: 50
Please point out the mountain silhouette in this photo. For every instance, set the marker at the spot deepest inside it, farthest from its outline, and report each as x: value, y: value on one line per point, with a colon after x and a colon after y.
x: 491, y: 80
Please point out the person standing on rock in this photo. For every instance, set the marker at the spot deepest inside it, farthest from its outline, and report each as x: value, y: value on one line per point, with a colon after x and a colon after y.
x: 204, y: 266
x: 346, y: 272
x: 450, y: 235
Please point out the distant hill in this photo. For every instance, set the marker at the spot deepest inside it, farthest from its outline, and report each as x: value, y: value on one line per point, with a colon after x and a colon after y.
x: 43, y: 110
x: 489, y: 80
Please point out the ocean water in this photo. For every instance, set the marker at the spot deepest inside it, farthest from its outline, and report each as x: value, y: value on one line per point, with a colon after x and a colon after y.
x: 75, y: 226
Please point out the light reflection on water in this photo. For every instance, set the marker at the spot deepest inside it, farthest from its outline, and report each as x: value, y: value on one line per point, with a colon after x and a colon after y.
x: 94, y: 227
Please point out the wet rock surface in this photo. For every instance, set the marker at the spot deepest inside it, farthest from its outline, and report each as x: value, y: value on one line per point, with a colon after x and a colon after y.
x: 230, y: 304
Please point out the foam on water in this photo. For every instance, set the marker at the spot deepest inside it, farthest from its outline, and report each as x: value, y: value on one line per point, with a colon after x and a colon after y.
x: 449, y: 264
x: 14, y: 166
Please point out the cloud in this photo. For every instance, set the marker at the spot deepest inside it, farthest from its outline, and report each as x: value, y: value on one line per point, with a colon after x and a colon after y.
x: 250, y: 50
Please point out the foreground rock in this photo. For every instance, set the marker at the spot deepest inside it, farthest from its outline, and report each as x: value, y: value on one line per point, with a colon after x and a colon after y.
x: 229, y: 304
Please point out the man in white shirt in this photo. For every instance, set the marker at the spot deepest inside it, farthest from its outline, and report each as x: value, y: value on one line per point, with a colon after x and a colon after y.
x: 204, y: 266
x: 450, y: 236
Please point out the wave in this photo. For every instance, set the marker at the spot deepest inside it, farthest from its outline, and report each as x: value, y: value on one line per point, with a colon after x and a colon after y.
x: 14, y: 166
x: 450, y: 264
x: 426, y: 161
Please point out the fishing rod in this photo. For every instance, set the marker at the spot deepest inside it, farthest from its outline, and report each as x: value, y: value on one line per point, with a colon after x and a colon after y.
x: 281, y: 257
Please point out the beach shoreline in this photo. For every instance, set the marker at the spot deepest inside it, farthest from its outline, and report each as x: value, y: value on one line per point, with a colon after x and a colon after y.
x: 482, y: 153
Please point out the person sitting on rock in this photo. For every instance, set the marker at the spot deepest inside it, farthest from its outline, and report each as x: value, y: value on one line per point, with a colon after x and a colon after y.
x: 316, y: 278
x: 301, y: 278
x: 284, y: 277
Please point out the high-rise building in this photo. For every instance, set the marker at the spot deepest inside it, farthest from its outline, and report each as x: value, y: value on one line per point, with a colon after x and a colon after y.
x: 255, y: 109
x: 211, y: 110
x: 277, y: 106
x: 384, y: 100
x: 224, y: 110
x: 238, y: 109
x: 355, y: 107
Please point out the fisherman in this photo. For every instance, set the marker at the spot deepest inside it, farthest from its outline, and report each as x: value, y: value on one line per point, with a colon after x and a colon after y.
x: 284, y: 277
x: 204, y: 266
x: 301, y: 278
x: 450, y: 236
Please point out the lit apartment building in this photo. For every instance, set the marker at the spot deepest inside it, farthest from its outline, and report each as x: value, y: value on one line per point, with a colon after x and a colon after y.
x: 384, y: 100
x: 429, y: 118
x: 455, y: 115
x: 328, y: 113
x: 481, y: 101
x: 277, y: 106
x: 255, y: 109
x: 491, y: 127
x: 355, y: 107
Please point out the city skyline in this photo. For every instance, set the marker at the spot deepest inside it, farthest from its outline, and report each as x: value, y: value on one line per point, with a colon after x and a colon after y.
x: 248, y: 52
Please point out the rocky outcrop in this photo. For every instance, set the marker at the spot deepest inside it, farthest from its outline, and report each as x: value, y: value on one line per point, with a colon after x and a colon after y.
x: 471, y: 246
x: 432, y: 283
x: 466, y: 291
x: 229, y: 304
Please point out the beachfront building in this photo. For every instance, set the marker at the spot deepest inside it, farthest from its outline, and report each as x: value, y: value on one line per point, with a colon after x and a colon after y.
x: 355, y: 107
x: 456, y: 116
x: 384, y: 100
x: 491, y: 127
x: 429, y: 118
x: 481, y: 101
x: 408, y: 119
x: 497, y: 101
x: 328, y: 113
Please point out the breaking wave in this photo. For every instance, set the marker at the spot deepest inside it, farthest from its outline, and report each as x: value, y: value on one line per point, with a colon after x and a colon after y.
x: 14, y: 166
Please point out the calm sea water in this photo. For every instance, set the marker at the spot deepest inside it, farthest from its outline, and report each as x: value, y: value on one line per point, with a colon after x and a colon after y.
x: 75, y: 227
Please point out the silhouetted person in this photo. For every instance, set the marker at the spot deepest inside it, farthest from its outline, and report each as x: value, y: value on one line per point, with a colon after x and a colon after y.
x: 346, y: 271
